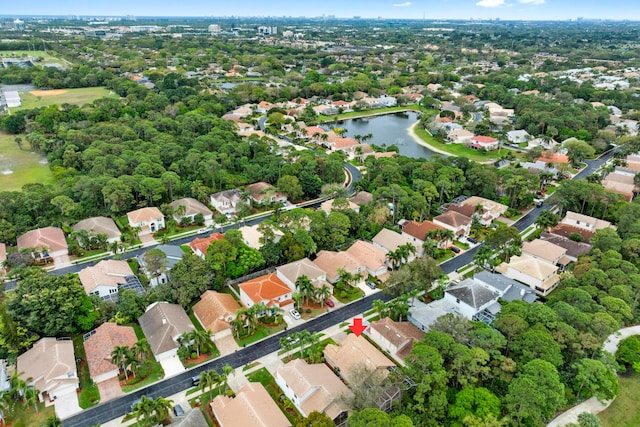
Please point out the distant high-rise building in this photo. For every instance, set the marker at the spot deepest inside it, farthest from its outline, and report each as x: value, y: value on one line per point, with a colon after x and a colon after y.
x: 267, y: 31
x: 18, y: 25
x: 214, y: 28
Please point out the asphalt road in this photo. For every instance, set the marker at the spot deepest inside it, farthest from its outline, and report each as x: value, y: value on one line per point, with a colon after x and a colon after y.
x: 119, y: 407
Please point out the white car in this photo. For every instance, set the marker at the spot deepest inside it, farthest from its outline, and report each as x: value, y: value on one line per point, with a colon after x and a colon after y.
x: 294, y: 313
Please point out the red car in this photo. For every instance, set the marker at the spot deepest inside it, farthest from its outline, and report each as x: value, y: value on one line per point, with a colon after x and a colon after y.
x: 329, y: 302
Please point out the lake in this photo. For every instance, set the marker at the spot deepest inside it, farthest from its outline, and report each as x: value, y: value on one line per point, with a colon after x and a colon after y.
x: 389, y: 129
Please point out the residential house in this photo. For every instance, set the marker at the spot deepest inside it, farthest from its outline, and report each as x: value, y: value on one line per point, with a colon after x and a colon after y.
x: 621, y: 183
x: 148, y: 220
x: 487, y: 143
x: 162, y: 324
x: 574, y: 249
x: 253, y: 237
x: 546, y: 251
x: 191, y: 207
x: 267, y: 289
x: 537, y: 274
x: 48, y: 242
x: 371, y: 256
x: 264, y: 106
x: 100, y: 225
x: 390, y: 241
x: 460, y: 136
x: 330, y: 205
x: 263, y: 193
x: 553, y: 157
x: 251, y: 406
x: 50, y: 367
x: 490, y: 210
x: 215, y: 311
x: 458, y: 223
x: 568, y: 231
x: 199, y: 245
x: 314, y: 387
x: 418, y: 230
x: 354, y: 355
x: 172, y: 253
x: 228, y: 202
x: 585, y: 222
x: 331, y: 262
x: 387, y: 101
x: 362, y: 198
x: 108, y: 277
x: 518, y: 136
x: 98, y: 346
x: 290, y: 272
x: 395, y: 338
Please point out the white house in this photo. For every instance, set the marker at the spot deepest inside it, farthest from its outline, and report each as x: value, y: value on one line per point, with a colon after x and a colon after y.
x: 107, y: 277
x: 227, y: 202
x: 148, y: 220
x: 191, y: 207
x: 537, y: 274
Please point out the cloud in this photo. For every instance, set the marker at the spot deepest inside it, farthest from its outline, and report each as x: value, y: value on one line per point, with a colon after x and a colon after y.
x: 534, y: 2
x: 405, y: 4
x: 491, y: 3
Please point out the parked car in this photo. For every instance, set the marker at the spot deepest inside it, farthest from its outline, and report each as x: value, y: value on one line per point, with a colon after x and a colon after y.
x: 329, y: 302
x: 195, y: 381
x: 178, y: 411
x: 371, y: 284
x: 455, y: 249
x: 472, y: 240
x: 294, y: 313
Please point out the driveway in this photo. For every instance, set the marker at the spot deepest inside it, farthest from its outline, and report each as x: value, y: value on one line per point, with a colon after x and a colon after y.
x: 110, y: 389
x: 226, y: 345
x: 67, y: 405
x: 172, y: 366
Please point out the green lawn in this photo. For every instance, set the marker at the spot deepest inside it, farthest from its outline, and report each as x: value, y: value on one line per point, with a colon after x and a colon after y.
x: 81, y: 96
x: 457, y: 149
x: 47, y: 57
x: 20, y: 167
x: 624, y: 411
x: 89, y: 394
x: 348, y: 296
x: 261, y: 332
x: 365, y: 113
x: 27, y: 417
x: 156, y: 374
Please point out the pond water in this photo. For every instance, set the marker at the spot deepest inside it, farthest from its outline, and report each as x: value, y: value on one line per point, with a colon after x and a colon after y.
x: 388, y: 129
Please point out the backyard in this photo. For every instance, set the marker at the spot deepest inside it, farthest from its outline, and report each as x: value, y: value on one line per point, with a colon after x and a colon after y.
x: 89, y: 394
x: 19, y: 167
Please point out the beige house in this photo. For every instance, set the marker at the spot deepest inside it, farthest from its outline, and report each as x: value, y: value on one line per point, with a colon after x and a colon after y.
x: 106, y: 277
x: 389, y: 241
x: 314, y: 388
x: 215, y: 311
x: 490, y: 210
x: 192, y: 207
x: 261, y: 192
x: 99, y: 345
x: 252, y: 236
x: 162, y: 324
x: 417, y: 231
x: 545, y: 251
x: 49, y: 242
x: 148, y: 220
x: 396, y: 338
x: 329, y: 206
x: 458, y: 223
x: 252, y: 406
x: 331, y: 262
x: 537, y: 274
x: 355, y: 354
x: 100, y: 225
x: 372, y: 257
x: 290, y: 272
x: 50, y: 367
x: 585, y: 222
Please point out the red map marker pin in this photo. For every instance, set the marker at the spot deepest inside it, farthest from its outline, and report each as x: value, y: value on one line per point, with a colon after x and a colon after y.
x: 357, y: 328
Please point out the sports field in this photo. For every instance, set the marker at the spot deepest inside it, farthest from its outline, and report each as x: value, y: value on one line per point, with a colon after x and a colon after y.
x: 46, y: 56
x: 81, y: 96
x: 19, y: 167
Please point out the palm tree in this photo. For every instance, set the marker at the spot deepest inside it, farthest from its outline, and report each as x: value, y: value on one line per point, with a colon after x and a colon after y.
x: 119, y: 355
x: 162, y: 408
x: 380, y: 306
x: 134, y: 364
x: 207, y: 380
x: 144, y: 411
x: 304, y: 286
x: 304, y: 336
x: 52, y: 422
x: 142, y: 349
x: 394, y: 258
x: 200, y: 338
x: 224, y: 376
x: 324, y: 292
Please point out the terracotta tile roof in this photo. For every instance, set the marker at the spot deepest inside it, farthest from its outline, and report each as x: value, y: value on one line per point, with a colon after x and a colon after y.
x: 202, y: 243
x: 264, y: 288
x: 367, y: 254
x: 453, y: 219
x: 98, y: 347
x: 215, y: 310
x: 311, y: 130
x: 108, y: 272
x: 99, y: 225
x: 553, y: 158
x: 354, y: 353
x: 399, y: 334
x: 322, y: 389
x: 419, y: 230
x: 565, y: 230
x: 49, y: 237
x: 484, y: 139
x: 162, y: 324
x: 144, y: 215
x: 252, y: 406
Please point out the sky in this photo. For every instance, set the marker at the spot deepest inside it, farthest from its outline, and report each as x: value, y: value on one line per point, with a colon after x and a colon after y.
x: 389, y: 9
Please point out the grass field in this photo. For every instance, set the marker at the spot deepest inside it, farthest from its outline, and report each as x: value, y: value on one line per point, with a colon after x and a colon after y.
x: 25, y: 165
x: 367, y: 113
x: 624, y: 411
x: 79, y: 96
x: 47, y: 57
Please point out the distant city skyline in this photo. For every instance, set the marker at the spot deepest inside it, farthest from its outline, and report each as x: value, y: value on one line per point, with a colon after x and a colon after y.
x: 392, y: 9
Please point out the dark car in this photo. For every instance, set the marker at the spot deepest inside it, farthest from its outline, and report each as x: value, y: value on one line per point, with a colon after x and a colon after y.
x: 329, y: 302
x: 178, y: 411
x: 455, y: 249
x: 472, y: 240
x: 371, y: 284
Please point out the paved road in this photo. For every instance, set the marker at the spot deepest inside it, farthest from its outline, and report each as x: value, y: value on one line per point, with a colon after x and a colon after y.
x: 119, y: 407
